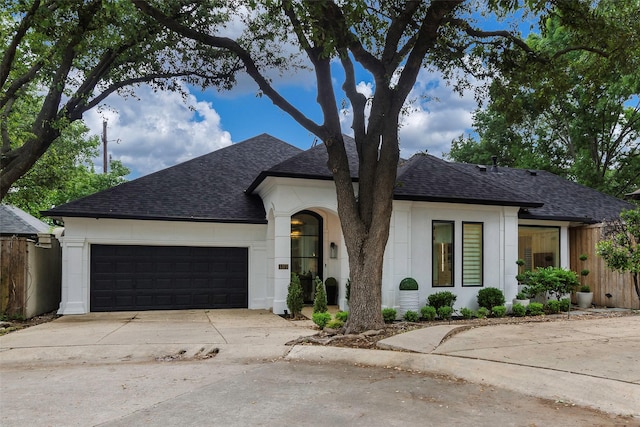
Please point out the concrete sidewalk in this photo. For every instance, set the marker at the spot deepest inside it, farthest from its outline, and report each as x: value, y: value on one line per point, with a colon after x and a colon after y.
x: 593, y: 362
x: 149, y: 335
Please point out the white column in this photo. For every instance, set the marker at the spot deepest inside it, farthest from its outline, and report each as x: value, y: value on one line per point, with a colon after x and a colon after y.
x: 75, y: 278
x: 510, y: 255
x: 282, y: 262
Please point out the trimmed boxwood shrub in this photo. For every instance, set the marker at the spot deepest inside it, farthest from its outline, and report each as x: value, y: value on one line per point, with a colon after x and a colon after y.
x: 490, y: 297
x: 445, y: 312
x: 467, y: 313
x: 321, y: 319
x: 342, y: 316
x: 428, y: 312
x: 408, y: 284
x: 335, y: 324
x: 411, y: 316
x: 519, y: 310
x: 535, y: 309
x: 553, y: 306
x: 482, y: 312
x: 499, y: 310
x: 442, y: 299
x: 389, y: 315
x: 565, y: 303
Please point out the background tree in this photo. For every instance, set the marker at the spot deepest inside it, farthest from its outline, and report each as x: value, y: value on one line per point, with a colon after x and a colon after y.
x: 64, y: 173
x: 620, y: 245
x: 391, y: 41
x: 578, y: 116
x: 75, y: 53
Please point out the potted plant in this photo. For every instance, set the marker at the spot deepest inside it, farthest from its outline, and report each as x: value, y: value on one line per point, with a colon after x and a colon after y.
x: 409, y: 296
x: 584, y: 297
x: 521, y: 298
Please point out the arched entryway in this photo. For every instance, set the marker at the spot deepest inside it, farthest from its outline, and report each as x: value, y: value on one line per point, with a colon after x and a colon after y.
x: 306, y: 250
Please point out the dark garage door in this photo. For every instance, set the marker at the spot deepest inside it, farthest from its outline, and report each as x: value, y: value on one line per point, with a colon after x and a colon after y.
x: 167, y: 277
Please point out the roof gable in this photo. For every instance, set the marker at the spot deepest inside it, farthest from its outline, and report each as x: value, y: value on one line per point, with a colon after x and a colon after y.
x: 15, y: 221
x: 207, y: 188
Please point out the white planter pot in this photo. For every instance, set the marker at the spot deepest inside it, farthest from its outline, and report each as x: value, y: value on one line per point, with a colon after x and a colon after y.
x: 409, y: 300
x: 524, y: 302
x: 584, y: 299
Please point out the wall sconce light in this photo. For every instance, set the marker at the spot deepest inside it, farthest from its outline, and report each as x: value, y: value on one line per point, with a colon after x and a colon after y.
x: 333, y: 250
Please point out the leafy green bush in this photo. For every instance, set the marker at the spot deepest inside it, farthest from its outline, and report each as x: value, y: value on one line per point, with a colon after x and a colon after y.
x: 565, y: 303
x: 335, y: 324
x: 490, y: 297
x: 482, y: 312
x: 499, y: 311
x: 519, y: 310
x: 321, y: 319
x: 585, y: 288
x: 428, y: 312
x: 347, y: 287
x: 408, y: 284
x: 320, y: 298
x: 467, y: 313
x: 553, y: 306
x: 441, y: 299
x: 411, y: 316
x: 295, y: 299
x: 342, y: 316
x: 445, y: 312
x: 389, y: 314
x: 557, y: 281
x: 535, y: 309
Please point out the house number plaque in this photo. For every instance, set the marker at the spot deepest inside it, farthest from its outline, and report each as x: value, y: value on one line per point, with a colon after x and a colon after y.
x: 283, y: 266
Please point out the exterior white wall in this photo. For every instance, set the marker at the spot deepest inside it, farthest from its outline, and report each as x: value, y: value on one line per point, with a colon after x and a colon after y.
x: 409, y: 249
x: 43, y: 278
x: 80, y: 233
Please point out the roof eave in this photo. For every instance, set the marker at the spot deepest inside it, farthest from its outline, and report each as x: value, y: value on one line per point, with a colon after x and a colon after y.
x: 459, y: 200
x: 102, y: 215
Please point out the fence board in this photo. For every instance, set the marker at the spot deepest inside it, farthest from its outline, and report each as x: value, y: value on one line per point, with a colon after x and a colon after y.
x: 603, y: 281
x: 13, y: 274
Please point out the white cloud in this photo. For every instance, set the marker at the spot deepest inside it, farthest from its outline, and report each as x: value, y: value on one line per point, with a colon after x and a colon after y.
x: 435, y: 115
x: 158, y: 130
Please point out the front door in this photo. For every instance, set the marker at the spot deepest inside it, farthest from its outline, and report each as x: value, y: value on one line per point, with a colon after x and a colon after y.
x: 306, y: 250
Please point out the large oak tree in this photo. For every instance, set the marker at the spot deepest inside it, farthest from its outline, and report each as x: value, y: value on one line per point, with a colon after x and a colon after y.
x: 392, y: 40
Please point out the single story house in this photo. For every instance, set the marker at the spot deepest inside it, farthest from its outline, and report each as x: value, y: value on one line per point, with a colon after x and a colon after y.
x: 227, y: 229
x: 30, y: 264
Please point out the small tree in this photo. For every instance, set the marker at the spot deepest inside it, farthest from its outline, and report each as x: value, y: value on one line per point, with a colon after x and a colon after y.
x: 320, y: 299
x: 619, y: 244
x: 295, y: 300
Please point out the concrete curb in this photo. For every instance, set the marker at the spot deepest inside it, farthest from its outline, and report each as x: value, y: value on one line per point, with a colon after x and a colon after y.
x: 607, y: 395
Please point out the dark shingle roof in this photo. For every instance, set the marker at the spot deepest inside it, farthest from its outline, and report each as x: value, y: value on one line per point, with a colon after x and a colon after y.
x: 207, y: 188
x: 15, y: 221
x: 562, y: 199
x: 428, y: 178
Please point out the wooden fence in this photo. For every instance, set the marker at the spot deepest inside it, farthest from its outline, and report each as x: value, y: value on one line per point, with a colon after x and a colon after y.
x: 610, y: 289
x: 13, y: 275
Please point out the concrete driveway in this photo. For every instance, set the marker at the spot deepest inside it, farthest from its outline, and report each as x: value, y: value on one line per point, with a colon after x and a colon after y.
x: 121, y: 357
x: 153, y: 335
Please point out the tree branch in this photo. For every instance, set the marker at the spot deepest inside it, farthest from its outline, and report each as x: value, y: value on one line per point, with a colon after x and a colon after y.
x: 10, y: 53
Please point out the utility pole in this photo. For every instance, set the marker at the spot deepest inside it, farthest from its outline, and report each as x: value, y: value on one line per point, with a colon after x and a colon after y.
x: 105, y: 165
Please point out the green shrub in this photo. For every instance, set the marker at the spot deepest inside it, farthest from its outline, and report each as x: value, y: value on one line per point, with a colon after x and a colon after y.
x: 389, y: 314
x: 557, y: 281
x: 499, y: 311
x: 331, y: 281
x: 482, y: 312
x: 295, y: 299
x: 411, y: 316
x: 535, y: 309
x: 321, y: 319
x: 320, y: 298
x: 408, y: 284
x: 445, y: 312
x: 467, y: 313
x: 335, y: 324
x: 428, y: 312
x: 347, y: 287
x: 441, y: 299
x: 519, y: 310
x: 565, y: 303
x: 585, y: 288
x: 553, y: 306
x: 342, y: 316
x: 490, y: 297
